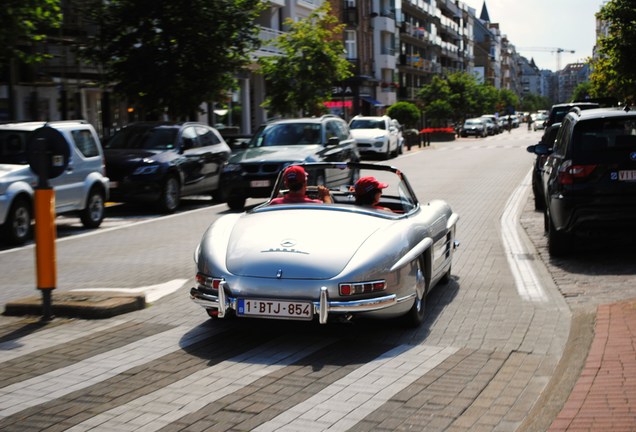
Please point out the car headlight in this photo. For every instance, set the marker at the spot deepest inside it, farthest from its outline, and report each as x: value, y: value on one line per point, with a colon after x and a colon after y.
x: 146, y: 170
x: 231, y: 168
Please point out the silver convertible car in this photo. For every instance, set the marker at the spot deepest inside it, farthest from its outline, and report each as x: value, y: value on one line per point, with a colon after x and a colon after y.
x: 328, y: 261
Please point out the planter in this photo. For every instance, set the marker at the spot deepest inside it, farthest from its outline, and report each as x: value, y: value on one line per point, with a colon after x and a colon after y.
x: 438, y: 134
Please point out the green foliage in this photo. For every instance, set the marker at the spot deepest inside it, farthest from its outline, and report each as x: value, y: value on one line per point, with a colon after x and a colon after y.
x: 613, y: 73
x: 582, y: 91
x: 173, y: 55
x: 24, y: 23
x: 532, y: 103
x: 300, y: 80
x: 406, y: 113
x: 459, y: 96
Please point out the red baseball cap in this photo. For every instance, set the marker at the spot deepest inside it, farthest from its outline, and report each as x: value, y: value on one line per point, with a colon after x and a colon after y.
x: 367, y: 184
x: 294, y: 174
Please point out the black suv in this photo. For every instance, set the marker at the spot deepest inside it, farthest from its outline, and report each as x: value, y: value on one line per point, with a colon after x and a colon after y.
x: 542, y: 150
x: 161, y: 162
x: 252, y: 171
x: 590, y: 178
x: 558, y: 111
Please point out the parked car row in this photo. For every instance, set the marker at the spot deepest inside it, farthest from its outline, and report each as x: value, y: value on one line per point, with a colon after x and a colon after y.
x: 158, y: 163
x: 586, y: 177
x: 481, y: 127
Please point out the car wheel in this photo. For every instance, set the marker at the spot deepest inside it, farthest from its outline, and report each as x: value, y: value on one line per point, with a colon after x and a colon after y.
x: 415, y: 316
x: 170, y: 195
x: 17, y: 227
x: 539, y: 202
x: 93, y: 214
x: 557, y: 241
x: 236, y: 203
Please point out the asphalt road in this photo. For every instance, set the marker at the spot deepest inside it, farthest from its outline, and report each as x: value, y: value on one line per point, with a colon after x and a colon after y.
x: 498, y: 351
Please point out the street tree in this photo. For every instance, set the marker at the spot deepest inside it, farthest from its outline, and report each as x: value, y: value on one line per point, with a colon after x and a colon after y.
x: 407, y: 113
x: 168, y: 57
x: 300, y: 79
x: 613, y: 72
x: 435, y: 98
x: 23, y: 25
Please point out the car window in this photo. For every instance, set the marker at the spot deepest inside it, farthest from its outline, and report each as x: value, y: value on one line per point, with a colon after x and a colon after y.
x: 604, y: 140
x: 563, y: 138
x: 333, y: 130
x: 207, y: 137
x: 144, y: 137
x: 13, y: 147
x: 285, y: 134
x: 342, y: 130
x: 85, y: 143
x: 189, y: 138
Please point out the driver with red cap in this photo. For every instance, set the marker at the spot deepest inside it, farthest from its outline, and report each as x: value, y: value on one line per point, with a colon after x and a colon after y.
x: 368, y: 192
x: 295, y: 178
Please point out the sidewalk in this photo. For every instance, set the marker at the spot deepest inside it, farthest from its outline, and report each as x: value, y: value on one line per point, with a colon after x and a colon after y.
x: 604, y: 397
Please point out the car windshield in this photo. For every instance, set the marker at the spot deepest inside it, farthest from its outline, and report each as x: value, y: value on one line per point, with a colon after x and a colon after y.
x: 473, y: 122
x: 144, y: 137
x: 367, y: 124
x: 340, y: 179
x: 605, y: 140
x: 13, y: 147
x: 286, y: 134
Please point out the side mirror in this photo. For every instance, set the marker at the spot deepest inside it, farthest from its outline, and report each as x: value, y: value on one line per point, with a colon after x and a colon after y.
x: 538, y: 149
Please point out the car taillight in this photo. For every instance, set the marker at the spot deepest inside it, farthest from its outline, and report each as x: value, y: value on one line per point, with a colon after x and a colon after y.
x: 347, y: 289
x: 569, y: 173
x: 208, y: 281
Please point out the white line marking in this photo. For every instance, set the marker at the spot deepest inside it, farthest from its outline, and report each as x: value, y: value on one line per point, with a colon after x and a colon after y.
x: 162, y: 407
x: 525, y: 278
x: 152, y: 292
x: 349, y: 400
x: 55, y: 384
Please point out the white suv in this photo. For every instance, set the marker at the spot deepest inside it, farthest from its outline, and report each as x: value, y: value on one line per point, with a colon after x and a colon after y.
x: 81, y: 188
x: 375, y: 134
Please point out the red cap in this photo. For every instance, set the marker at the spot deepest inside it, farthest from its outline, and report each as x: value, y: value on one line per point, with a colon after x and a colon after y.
x: 294, y: 174
x: 367, y: 184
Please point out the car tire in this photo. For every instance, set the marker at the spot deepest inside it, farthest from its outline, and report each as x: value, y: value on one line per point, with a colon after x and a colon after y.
x: 17, y: 227
x: 170, y: 196
x: 93, y: 214
x: 539, y: 202
x: 236, y: 203
x: 387, y: 155
x: 415, y: 316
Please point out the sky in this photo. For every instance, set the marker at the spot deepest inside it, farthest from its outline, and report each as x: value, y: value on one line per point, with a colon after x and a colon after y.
x: 566, y: 24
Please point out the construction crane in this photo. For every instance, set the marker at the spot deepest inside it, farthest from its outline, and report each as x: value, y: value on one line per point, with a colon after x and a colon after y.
x: 558, y: 52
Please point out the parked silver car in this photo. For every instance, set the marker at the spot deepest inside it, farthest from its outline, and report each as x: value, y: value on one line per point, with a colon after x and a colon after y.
x: 328, y: 261
x: 82, y: 187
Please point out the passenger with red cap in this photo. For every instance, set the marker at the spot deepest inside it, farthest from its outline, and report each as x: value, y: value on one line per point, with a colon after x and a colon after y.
x: 368, y: 192
x: 295, y: 178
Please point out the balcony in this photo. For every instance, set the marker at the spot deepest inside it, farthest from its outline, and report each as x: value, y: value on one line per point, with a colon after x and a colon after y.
x: 384, y: 23
x: 267, y: 36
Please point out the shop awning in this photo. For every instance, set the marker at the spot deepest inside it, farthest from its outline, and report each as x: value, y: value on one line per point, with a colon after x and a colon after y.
x: 372, y: 101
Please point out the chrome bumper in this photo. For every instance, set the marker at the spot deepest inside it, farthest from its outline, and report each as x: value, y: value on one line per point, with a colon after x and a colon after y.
x: 322, y: 308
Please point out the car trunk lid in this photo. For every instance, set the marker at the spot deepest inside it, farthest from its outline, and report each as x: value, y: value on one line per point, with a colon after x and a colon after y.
x: 297, y: 243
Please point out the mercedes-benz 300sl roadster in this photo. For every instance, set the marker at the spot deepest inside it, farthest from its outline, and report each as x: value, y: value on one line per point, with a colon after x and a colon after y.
x: 328, y: 259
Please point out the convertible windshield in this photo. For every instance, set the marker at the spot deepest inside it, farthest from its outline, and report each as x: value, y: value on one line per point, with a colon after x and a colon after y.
x: 141, y: 137
x: 286, y: 134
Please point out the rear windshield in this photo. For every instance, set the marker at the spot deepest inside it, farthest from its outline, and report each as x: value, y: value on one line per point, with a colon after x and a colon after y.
x: 286, y: 134
x: 13, y: 147
x: 604, y: 140
x: 144, y: 137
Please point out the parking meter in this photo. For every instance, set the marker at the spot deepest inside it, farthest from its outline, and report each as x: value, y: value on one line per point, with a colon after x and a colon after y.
x: 48, y: 155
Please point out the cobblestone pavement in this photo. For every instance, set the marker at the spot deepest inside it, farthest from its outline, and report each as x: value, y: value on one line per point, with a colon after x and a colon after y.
x: 485, y: 359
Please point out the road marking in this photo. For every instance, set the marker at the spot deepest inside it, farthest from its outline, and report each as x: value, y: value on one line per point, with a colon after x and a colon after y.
x: 349, y: 400
x: 193, y: 393
x: 55, y: 384
x: 526, y: 281
x: 51, y: 337
x: 151, y: 292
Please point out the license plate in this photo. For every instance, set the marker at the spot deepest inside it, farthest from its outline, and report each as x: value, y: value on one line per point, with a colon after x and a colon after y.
x: 260, y: 183
x: 275, y: 309
x: 627, y: 175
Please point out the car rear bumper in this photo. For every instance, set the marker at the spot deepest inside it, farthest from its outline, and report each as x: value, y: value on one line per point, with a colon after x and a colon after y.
x: 590, y: 216
x: 323, y: 308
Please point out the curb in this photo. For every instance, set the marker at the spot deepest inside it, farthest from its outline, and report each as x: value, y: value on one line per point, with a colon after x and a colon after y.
x: 79, y: 304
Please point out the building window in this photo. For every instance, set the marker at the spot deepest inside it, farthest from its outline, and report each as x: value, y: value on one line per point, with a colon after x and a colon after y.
x: 351, y: 45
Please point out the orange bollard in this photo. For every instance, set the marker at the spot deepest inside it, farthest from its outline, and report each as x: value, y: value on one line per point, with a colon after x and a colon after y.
x: 45, y: 246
